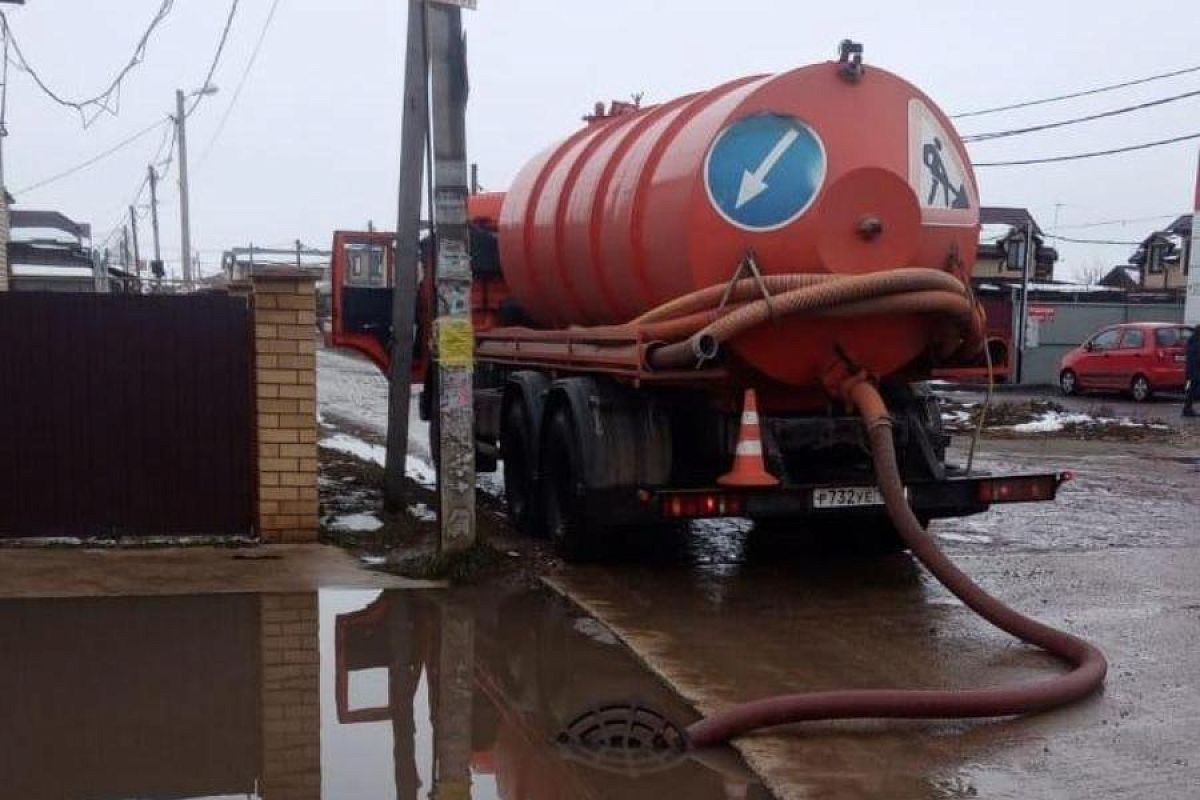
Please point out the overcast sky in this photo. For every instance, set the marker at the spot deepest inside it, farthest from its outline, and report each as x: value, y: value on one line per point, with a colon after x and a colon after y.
x: 312, y: 144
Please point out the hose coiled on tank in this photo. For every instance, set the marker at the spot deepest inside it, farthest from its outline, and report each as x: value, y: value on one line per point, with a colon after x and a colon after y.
x: 1088, y: 664
x: 909, y: 290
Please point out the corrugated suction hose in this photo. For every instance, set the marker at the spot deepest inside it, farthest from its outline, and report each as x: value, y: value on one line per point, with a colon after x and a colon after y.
x: 1088, y: 666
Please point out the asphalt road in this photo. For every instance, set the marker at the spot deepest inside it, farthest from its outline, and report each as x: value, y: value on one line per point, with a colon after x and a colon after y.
x: 733, y: 615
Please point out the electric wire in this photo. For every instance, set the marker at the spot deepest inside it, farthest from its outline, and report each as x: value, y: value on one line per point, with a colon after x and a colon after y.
x: 212, y: 67
x: 108, y: 100
x: 984, y: 137
x: 1107, y: 222
x: 1091, y: 241
x: 237, y: 92
x: 1092, y: 154
x: 121, y: 145
x: 1081, y: 93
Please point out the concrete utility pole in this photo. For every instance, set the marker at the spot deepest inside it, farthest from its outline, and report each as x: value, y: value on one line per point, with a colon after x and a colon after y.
x: 137, y: 260
x: 1023, y: 318
x: 413, y: 131
x: 1191, y: 301
x: 455, y: 336
x: 185, y: 232
x: 156, y: 266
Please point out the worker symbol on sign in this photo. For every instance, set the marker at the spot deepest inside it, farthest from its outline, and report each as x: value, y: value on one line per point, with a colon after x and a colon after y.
x: 940, y: 181
x: 764, y: 171
x: 938, y: 173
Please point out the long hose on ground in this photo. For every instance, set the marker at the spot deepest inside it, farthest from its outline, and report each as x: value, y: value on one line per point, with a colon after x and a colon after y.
x: 1088, y: 666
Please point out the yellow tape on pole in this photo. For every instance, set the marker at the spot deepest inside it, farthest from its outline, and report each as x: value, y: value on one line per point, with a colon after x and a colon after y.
x: 456, y: 342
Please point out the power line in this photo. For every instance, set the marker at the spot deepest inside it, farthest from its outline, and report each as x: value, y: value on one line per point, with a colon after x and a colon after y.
x: 96, y: 158
x: 982, y: 137
x: 212, y: 68
x: 1083, y: 93
x: 108, y: 100
x: 237, y: 92
x: 1093, y: 154
x: 1107, y: 222
x: 1090, y: 241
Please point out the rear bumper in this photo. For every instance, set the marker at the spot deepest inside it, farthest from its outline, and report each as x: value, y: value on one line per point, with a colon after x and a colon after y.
x: 1167, y: 378
x: 956, y: 496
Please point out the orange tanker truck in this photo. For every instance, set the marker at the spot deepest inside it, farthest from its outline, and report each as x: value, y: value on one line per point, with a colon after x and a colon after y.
x: 688, y: 310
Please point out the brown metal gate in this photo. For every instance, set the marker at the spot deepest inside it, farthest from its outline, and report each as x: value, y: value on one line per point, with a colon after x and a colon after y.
x: 125, y: 415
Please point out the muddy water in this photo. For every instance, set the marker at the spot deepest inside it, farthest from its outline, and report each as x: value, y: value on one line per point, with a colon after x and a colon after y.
x: 337, y: 694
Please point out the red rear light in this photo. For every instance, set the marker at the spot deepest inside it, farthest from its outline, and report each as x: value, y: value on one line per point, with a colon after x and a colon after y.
x: 707, y: 504
x: 1018, y: 490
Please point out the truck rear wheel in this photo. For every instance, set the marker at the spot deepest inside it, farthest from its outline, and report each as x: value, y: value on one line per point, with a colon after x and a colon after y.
x: 562, y: 508
x: 518, y: 447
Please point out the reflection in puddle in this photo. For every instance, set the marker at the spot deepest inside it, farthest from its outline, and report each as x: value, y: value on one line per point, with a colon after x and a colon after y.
x: 346, y: 694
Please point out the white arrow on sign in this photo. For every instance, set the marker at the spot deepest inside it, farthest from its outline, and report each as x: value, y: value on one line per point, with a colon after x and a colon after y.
x: 755, y: 183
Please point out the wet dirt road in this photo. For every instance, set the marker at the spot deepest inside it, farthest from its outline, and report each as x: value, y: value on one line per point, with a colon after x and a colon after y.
x: 338, y: 694
x: 733, y: 615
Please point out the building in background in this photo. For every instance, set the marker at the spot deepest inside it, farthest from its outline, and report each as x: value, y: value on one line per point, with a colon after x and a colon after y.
x: 1162, y: 258
x: 1003, y: 236
x: 47, y: 251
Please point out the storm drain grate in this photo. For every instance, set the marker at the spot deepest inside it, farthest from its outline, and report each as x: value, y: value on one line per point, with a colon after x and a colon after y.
x: 624, y: 737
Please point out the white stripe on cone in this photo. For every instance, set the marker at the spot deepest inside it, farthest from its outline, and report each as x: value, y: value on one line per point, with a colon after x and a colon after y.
x: 749, y: 447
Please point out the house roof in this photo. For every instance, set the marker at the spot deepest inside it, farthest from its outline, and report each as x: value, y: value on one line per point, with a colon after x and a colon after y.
x: 1006, y: 215
x: 53, y: 220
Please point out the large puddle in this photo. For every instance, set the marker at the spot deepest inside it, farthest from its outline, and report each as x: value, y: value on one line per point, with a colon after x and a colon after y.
x: 337, y: 694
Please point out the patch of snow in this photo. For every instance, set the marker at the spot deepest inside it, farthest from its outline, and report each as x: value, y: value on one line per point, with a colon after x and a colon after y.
x: 373, y: 561
x: 422, y: 512
x: 414, y: 467
x: 965, y: 538
x: 350, y: 445
x: 360, y: 523
x: 420, y: 471
x: 1052, y: 421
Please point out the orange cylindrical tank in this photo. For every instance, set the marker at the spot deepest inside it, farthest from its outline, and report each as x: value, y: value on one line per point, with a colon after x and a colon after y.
x: 813, y: 170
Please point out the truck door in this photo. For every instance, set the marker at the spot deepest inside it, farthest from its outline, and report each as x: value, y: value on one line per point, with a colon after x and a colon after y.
x: 362, y: 270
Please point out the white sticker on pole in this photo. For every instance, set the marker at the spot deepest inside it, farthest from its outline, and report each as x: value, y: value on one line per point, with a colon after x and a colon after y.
x: 937, y: 171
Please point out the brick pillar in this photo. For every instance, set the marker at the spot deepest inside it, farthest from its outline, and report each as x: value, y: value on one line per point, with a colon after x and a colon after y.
x: 285, y: 383
x: 291, y: 685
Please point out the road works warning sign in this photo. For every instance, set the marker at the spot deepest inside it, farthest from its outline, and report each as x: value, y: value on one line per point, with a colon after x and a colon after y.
x: 936, y: 171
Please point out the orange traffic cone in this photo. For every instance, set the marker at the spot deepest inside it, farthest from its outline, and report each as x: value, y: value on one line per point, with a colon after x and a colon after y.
x: 749, y: 468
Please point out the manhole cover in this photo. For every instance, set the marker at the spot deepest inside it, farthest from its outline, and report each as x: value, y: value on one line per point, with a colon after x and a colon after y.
x: 622, y: 737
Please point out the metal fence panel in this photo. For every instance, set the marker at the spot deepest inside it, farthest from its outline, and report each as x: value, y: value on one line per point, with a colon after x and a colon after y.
x: 125, y: 415
x: 1071, y: 323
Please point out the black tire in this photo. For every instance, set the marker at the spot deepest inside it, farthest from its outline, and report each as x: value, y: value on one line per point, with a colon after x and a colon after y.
x: 1068, y: 382
x: 1140, y: 389
x: 561, y: 504
x: 517, y: 447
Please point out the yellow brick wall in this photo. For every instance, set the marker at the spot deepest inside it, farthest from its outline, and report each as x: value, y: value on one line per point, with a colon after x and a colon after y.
x: 285, y: 385
x: 291, y: 683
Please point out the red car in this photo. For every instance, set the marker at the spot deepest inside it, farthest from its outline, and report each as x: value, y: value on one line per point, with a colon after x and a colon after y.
x: 1137, y: 357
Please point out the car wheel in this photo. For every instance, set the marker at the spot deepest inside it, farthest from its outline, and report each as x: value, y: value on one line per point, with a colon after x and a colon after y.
x: 1139, y: 387
x: 1068, y: 382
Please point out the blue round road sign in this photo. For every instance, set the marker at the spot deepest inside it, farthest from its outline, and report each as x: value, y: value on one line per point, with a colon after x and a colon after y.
x: 763, y: 172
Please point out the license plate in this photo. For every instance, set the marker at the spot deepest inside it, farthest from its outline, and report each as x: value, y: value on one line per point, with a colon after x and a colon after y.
x: 846, y: 497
